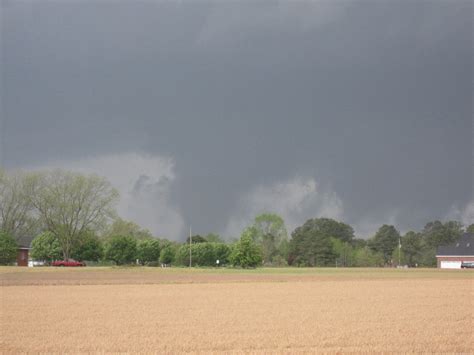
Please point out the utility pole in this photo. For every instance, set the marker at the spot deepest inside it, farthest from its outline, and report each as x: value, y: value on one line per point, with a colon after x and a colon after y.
x: 399, y: 250
x: 190, y: 245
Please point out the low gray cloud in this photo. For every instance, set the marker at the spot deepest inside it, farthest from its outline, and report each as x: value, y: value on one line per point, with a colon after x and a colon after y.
x: 144, y: 183
x: 369, y: 99
x: 464, y: 214
x: 295, y: 200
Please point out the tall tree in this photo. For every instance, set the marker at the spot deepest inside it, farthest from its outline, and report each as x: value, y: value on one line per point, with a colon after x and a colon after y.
x: 385, y: 241
x: 344, y: 252
x: 412, y: 247
x: 310, y: 246
x: 270, y: 233
x: 437, y: 233
x: 335, y: 229
x: 246, y: 253
x: 16, y: 211
x: 69, y: 204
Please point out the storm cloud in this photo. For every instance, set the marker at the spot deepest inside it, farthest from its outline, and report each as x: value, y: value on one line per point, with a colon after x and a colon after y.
x: 205, y: 113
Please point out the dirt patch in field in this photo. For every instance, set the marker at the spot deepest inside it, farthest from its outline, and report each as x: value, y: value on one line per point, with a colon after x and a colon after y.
x: 395, y: 315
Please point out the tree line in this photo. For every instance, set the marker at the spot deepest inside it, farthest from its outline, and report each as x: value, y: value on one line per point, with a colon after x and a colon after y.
x: 73, y: 216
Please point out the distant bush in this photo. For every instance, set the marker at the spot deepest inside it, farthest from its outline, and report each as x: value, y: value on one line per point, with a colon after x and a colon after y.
x: 203, y: 254
x: 8, y: 249
x: 365, y: 257
x: 121, y: 249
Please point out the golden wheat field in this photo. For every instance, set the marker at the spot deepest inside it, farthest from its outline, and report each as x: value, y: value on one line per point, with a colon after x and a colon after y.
x: 145, y: 310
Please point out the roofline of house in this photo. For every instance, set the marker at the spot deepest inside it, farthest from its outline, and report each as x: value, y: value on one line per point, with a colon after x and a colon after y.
x: 24, y: 248
x: 455, y: 256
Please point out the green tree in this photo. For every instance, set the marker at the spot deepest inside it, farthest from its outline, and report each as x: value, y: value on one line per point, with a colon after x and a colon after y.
x: 45, y: 247
x: 167, y: 255
x: 311, y: 246
x: 385, y: 241
x: 365, y: 257
x: 203, y: 254
x: 8, y: 248
x: 148, y: 251
x: 270, y: 233
x: 359, y: 243
x: 196, y: 239
x: 335, y: 229
x: 428, y: 255
x: 222, y: 253
x: 88, y: 247
x: 69, y: 204
x: 437, y: 233
x: 412, y: 248
x: 470, y: 229
x: 246, y: 253
x: 121, y: 249
x: 343, y: 251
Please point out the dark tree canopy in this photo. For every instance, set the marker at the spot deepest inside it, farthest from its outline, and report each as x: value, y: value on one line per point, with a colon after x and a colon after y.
x: 385, y: 241
x: 412, y: 247
x: 332, y: 228
x: 196, y: 239
x: 437, y: 234
x: 310, y: 245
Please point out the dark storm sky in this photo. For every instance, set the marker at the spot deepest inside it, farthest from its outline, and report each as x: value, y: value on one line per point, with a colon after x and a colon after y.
x: 210, y: 112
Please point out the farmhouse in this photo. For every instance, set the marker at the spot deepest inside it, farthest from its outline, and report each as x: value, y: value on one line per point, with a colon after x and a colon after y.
x: 23, y: 251
x: 451, y: 256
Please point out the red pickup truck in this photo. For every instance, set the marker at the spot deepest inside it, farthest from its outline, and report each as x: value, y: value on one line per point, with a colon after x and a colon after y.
x: 67, y: 263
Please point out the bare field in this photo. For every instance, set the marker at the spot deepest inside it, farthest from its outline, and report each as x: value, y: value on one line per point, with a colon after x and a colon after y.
x: 268, y: 310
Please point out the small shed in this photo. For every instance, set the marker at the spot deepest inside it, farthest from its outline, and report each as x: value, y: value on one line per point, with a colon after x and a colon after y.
x: 24, y: 246
x: 453, y: 255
